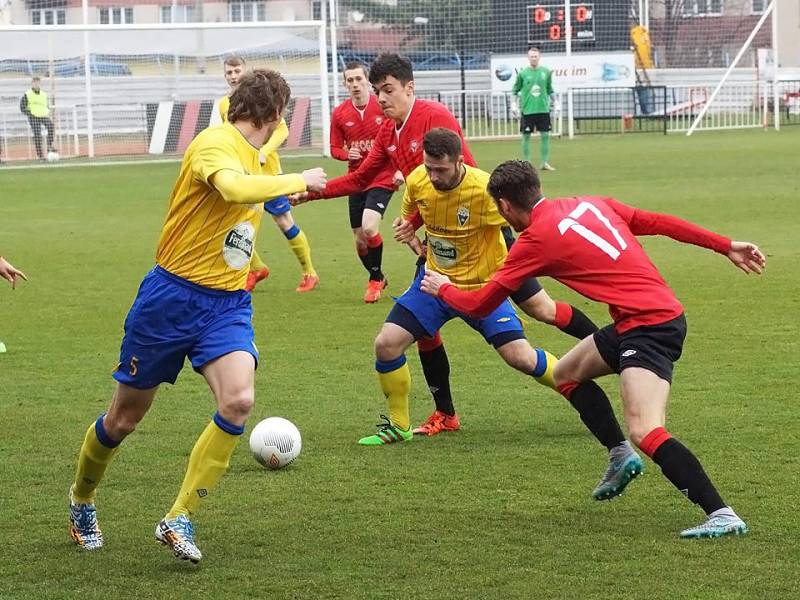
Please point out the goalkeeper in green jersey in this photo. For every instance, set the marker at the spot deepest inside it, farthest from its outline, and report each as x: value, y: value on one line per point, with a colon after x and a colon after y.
x: 534, y: 86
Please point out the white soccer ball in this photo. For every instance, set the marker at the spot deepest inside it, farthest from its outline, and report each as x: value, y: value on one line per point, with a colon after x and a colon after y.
x: 275, y: 442
x: 52, y: 157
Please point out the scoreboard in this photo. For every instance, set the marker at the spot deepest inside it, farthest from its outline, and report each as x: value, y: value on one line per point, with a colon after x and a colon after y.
x: 547, y: 23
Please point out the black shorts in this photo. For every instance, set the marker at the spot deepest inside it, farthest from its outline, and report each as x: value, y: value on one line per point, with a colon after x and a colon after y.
x: 537, y: 122
x: 652, y: 347
x: 376, y: 199
x: 530, y: 287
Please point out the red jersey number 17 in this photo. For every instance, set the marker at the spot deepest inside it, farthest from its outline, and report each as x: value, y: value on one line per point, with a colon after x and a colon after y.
x: 571, y: 222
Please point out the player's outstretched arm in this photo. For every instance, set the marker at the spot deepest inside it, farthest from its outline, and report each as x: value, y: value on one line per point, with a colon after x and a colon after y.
x: 747, y: 257
x: 10, y: 273
x: 250, y: 189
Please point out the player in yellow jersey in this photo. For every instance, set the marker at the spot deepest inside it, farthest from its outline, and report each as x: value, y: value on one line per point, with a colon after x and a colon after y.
x: 466, y: 244
x: 193, y: 304
x: 279, y: 207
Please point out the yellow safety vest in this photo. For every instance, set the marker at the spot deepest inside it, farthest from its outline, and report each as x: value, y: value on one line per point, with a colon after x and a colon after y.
x: 37, y: 103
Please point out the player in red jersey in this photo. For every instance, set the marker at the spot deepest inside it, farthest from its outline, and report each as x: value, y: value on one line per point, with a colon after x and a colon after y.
x: 398, y: 143
x: 589, y: 244
x: 354, y: 125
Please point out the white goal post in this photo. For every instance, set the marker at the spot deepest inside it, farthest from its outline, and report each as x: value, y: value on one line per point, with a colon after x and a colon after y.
x: 147, y: 89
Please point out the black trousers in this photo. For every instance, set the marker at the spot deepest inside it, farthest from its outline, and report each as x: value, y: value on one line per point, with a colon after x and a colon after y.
x: 36, y: 126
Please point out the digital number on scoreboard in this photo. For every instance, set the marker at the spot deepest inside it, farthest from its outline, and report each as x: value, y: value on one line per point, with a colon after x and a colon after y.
x: 547, y: 23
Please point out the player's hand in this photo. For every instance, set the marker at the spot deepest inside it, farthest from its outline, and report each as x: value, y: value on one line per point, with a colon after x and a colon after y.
x: 398, y: 179
x: 747, y: 257
x: 315, y: 179
x: 514, y: 110
x: 433, y: 281
x: 403, y: 231
x: 354, y: 154
x: 418, y: 247
x: 10, y: 273
x: 298, y: 198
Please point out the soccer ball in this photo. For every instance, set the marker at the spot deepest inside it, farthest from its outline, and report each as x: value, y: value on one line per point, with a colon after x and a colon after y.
x: 275, y: 442
x: 52, y: 157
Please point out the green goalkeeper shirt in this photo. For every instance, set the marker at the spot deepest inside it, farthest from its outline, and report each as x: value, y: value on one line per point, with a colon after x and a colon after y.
x: 534, y: 87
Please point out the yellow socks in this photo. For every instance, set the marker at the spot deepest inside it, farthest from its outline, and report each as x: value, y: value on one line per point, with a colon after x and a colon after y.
x: 299, y: 245
x: 395, y: 379
x: 545, y: 363
x: 96, y: 453
x: 207, y: 464
x: 256, y: 264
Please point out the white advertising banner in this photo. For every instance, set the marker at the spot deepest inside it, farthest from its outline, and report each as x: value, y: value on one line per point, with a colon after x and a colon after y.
x: 584, y: 70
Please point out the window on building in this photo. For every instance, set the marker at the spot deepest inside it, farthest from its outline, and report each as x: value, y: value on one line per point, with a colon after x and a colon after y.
x: 244, y: 12
x: 316, y: 10
x: 758, y: 7
x: 115, y: 15
x: 702, y: 8
x: 48, y: 16
x: 179, y: 14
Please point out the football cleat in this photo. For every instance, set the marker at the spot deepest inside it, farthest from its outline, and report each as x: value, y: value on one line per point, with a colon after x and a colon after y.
x: 717, y: 527
x: 387, y: 434
x: 178, y: 534
x: 547, y: 167
x: 621, y: 471
x: 83, y: 527
x: 308, y: 283
x: 374, y: 289
x: 438, y: 422
x: 253, y: 277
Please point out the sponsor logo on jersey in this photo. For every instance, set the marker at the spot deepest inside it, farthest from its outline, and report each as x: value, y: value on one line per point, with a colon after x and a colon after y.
x: 392, y: 148
x: 628, y: 353
x: 349, y: 124
x: 444, y: 252
x: 462, y: 215
x: 238, y: 245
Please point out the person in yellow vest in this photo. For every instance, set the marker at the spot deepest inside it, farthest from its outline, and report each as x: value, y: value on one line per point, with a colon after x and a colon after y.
x: 193, y: 305
x: 278, y: 208
x: 34, y: 105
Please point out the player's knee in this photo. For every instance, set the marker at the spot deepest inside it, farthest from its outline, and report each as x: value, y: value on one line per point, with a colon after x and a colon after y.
x: 236, y: 406
x: 119, y: 426
x: 638, y: 430
x: 542, y: 307
x: 387, y: 348
x: 369, y: 230
x: 519, y: 355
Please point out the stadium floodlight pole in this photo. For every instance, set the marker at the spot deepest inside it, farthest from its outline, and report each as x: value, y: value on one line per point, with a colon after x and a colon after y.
x: 732, y: 66
x: 775, y: 71
x: 87, y: 75
x: 333, y: 16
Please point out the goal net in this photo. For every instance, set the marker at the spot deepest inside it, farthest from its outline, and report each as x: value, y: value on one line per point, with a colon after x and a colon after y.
x: 147, y: 90
x: 628, y: 64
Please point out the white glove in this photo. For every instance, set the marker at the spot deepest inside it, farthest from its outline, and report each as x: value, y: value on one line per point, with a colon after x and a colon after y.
x: 514, y: 110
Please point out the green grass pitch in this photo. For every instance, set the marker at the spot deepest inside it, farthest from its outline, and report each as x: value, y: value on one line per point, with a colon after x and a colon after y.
x: 501, y: 509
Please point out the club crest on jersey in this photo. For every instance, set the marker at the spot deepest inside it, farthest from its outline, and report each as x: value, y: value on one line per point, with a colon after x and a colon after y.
x: 378, y: 120
x: 414, y: 145
x: 462, y: 215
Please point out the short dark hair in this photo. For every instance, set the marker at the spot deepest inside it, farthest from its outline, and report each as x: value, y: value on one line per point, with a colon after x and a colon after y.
x: 36, y: 78
x: 516, y: 181
x: 391, y: 65
x: 440, y: 142
x: 354, y: 64
x: 261, y: 96
x: 534, y: 48
x: 234, y: 60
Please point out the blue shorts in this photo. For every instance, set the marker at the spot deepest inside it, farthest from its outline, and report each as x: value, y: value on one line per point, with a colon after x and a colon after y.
x: 172, y: 318
x: 432, y: 313
x: 278, y: 206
